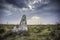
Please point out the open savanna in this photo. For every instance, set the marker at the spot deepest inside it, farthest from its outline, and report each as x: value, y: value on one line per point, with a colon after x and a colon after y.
x: 35, y: 32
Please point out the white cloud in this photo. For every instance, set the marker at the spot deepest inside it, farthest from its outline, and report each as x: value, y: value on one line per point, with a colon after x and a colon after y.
x: 34, y: 4
x: 7, y: 12
x: 33, y: 20
x: 11, y: 9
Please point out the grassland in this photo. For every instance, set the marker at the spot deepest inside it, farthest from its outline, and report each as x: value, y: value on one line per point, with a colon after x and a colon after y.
x: 35, y: 32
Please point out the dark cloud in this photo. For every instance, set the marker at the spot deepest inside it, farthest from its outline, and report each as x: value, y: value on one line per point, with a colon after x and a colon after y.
x: 1, y: 1
x: 1, y: 15
x: 1, y: 4
x: 18, y: 3
x: 56, y: 4
x: 21, y: 4
x: 1, y: 7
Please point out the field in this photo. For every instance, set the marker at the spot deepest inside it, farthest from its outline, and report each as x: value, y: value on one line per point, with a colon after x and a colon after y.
x: 35, y: 32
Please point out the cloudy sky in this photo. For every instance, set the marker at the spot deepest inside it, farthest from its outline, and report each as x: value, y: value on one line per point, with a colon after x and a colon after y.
x: 36, y: 11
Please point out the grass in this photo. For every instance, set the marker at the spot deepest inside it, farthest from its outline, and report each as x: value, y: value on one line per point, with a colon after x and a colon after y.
x: 35, y: 32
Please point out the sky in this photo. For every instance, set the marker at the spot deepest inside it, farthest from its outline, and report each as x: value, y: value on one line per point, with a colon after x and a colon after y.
x: 36, y: 11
